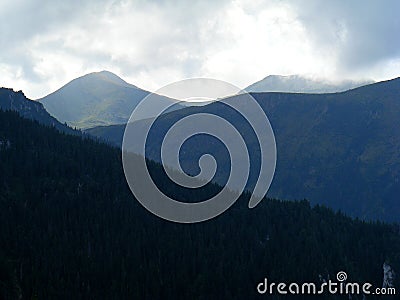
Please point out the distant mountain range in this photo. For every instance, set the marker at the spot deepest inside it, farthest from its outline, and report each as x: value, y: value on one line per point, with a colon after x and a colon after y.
x: 95, y: 99
x: 301, y: 84
x: 341, y: 149
x: 29, y: 109
x: 103, y: 98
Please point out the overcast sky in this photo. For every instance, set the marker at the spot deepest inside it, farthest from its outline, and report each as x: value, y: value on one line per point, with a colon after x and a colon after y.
x: 44, y: 44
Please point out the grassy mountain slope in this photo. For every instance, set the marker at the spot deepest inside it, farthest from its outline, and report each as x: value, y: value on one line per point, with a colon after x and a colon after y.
x: 95, y: 99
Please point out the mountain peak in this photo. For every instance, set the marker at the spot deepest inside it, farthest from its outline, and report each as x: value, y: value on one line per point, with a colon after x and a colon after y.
x: 303, y: 84
x: 105, y: 76
x: 96, y: 99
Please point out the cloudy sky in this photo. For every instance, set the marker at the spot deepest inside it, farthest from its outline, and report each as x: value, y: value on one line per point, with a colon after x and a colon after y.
x: 44, y: 44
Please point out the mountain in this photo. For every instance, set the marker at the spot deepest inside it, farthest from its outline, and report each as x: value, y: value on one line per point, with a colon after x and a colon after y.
x: 301, y: 84
x: 71, y: 229
x: 96, y: 99
x: 341, y: 150
x: 16, y: 101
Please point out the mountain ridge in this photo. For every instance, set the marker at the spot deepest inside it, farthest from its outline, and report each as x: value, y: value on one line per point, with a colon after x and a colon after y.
x: 30, y: 109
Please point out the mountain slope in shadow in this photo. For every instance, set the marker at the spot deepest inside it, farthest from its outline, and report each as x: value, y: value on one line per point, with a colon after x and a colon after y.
x: 339, y: 149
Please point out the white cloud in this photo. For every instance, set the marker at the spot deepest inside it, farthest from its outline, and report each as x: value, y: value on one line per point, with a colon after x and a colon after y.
x: 272, y: 41
x: 152, y: 43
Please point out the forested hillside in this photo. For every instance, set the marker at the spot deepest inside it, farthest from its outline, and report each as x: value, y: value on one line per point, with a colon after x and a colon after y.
x: 70, y: 229
x: 17, y: 101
